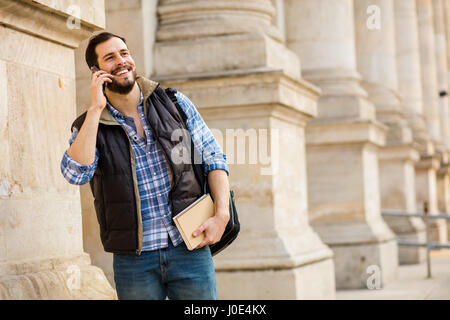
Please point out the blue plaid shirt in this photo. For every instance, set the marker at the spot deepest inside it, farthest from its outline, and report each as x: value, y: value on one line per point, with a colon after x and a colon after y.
x: 154, y: 181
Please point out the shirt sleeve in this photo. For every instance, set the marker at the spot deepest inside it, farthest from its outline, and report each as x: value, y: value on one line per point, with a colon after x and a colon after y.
x: 74, y: 172
x: 213, y: 157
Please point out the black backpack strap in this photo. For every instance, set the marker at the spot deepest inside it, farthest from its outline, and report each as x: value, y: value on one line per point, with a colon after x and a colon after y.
x: 171, y: 94
x: 198, y: 167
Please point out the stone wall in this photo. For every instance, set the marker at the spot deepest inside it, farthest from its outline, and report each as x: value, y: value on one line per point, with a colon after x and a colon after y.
x: 41, y: 248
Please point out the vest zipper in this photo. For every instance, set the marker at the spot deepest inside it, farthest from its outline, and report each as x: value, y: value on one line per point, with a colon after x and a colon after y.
x: 169, y: 163
x: 138, y: 199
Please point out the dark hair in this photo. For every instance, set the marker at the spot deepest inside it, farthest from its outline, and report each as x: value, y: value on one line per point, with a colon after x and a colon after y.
x: 91, y: 56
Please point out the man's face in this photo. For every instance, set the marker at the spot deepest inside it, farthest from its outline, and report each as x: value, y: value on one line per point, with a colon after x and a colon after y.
x: 115, y: 58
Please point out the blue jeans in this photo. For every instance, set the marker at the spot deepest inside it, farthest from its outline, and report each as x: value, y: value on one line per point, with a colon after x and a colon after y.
x: 173, y: 272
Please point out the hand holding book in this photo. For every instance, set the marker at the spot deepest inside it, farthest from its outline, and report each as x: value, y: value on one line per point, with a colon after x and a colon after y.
x: 199, y: 224
x: 213, y: 229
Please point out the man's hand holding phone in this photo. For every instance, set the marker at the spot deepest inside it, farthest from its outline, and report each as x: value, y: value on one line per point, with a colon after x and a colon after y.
x: 99, y: 78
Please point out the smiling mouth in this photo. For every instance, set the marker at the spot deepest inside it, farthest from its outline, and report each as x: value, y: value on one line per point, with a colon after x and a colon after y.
x: 122, y: 72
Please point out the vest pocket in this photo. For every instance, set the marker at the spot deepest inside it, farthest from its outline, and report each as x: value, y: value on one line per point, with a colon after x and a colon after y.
x: 120, y: 216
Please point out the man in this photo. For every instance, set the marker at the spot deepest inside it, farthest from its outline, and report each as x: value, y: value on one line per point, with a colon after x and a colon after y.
x: 123, y: 146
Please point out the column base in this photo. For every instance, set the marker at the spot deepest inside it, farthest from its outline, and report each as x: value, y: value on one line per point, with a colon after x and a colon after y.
x: 397, y: 187
x: 312, y: 281
x: 352, y: 262
x: 59, y: 278
x: 448, y: 227
x: 438, y: 231
x: 412, y: 255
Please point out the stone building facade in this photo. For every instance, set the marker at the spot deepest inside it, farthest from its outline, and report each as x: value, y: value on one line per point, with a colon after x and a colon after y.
x: 329, y: 111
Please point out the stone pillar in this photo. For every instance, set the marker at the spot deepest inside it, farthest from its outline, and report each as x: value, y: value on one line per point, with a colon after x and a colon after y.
x: 377, y: 61
x: 443, y: 178
x: 342, y: 143
x: 446, y: 5
x: 410, y: 91
x: 427, y: 170
x: 139, y: 15
x: 41, y: 243
x: 228, y: 58
x: 409, y: 71
x: 441, y: 69
x: 279, y: 20
x: 429, y: 74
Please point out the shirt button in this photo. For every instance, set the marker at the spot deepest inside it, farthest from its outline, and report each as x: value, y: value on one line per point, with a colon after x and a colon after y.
x: 154, y: 173
x: 159, y: 195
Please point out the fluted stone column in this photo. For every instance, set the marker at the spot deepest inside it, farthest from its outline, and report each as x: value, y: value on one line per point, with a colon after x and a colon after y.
x: 342, y: 143
x: 41, y: 242
x: 228, y: 58
x: 410, y: 90
x: 426, y: 169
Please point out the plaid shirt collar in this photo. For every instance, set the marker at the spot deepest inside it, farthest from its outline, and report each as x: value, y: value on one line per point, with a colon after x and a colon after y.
x: 117, y: 114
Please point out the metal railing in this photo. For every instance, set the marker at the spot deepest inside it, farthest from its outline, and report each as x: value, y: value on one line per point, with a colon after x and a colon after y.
x: 428, y: 244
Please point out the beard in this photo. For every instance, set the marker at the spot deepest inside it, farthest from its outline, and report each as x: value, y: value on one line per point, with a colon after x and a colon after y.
x: 125, y: 86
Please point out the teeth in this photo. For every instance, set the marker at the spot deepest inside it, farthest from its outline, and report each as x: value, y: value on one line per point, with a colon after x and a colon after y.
x: 122, y: 72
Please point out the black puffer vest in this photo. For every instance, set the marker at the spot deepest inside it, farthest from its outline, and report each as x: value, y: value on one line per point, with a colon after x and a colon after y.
x: 114, y: 185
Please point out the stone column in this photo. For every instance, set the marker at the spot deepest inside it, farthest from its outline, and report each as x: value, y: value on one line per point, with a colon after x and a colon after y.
x: 41, y: 243
x: 427, y: 170
x: 138, y: 15
x: 429, y: 74
x: 228, y: 58
x: 441, y: 69
x: 342, y: 143
x: 279, y: 20
x: 410, y: 90
x: 446, y: 5
x: 377, y: 61
x: 443, y: 178
x: 409, y: 71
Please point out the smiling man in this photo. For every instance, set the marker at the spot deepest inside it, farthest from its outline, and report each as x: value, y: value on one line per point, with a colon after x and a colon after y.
x: 122, y: 146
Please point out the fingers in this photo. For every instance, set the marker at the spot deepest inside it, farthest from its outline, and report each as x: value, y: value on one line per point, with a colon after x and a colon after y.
x: 101, y: 74
x: 202, y: 244
x: 212, y: 234
x: 100, y: 78
x: 104, y: 77
x: 199, y: 230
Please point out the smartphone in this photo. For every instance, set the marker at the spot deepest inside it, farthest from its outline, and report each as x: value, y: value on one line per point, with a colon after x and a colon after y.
x: 94, y: 70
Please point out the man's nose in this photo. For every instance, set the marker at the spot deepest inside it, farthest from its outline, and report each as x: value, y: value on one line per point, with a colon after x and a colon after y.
x: 121, y: 60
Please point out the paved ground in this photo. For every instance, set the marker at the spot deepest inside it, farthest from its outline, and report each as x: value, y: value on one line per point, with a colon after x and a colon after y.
x: 411, y: 283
